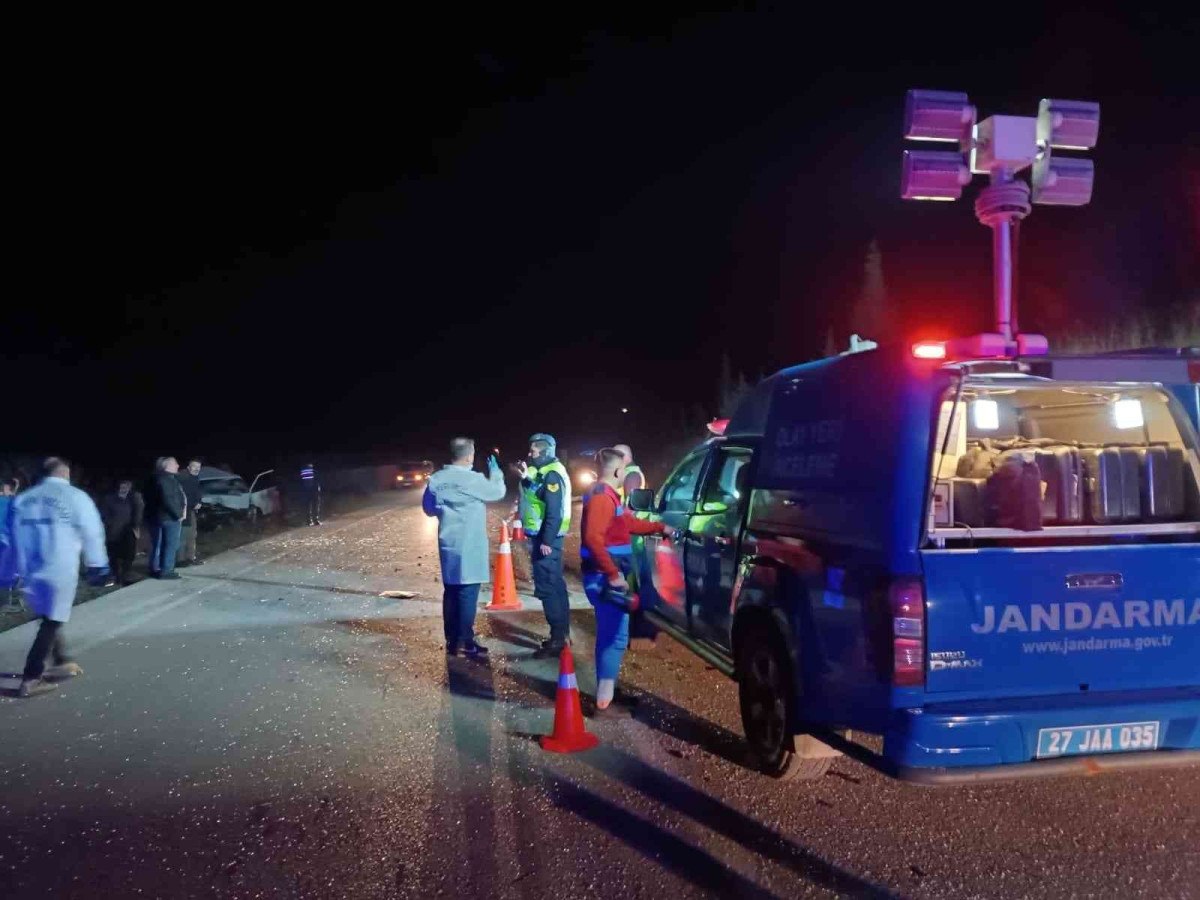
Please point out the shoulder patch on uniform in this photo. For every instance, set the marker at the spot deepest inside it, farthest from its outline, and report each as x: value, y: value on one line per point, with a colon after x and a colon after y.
x: 552, y: 485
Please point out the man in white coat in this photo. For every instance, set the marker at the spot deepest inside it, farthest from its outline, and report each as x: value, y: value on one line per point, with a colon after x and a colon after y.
x: 456, y: 495
x: 53, y: 524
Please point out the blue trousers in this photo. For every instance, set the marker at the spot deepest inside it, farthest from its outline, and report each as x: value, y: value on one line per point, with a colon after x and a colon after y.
x: 459, y: 604
x: 550, y: 587
x: 164, y: 545
x: 612, y: 621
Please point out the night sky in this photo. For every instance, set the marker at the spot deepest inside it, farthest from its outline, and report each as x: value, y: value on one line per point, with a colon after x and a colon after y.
x: 368, y: 235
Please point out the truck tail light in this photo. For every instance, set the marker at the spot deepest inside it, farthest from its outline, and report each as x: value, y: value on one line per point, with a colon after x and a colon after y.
x: 906, y: 597
x: 1194, y: 371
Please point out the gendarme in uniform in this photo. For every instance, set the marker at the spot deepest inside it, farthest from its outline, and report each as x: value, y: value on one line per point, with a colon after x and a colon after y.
x: 545, y: 510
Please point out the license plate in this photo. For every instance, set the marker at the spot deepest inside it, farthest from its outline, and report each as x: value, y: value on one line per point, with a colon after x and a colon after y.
x: 1076, y: 740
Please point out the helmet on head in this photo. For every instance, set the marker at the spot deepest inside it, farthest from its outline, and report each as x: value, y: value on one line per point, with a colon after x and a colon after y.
x: 546, y: 438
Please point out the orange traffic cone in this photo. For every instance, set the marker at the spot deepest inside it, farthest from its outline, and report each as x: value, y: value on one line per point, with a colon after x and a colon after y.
x: 518, y: 530
x: 504, y: 583
x: 668, y: 574
x: 569, y: 735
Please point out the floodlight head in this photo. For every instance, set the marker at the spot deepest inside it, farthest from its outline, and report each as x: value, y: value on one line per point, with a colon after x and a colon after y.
x: 1062, y: 180
x: 1068, y: 124
x: 933, y: 175
x: 938, y: 116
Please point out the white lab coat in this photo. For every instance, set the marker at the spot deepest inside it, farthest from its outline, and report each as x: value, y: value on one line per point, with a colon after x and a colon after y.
x: 53, y: 523
x: 456, y: 495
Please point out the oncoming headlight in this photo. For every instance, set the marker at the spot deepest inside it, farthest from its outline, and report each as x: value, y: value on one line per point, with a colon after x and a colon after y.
x: 586, y: 479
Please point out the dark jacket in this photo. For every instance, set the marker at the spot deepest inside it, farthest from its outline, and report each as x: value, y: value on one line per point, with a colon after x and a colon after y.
x: 164, y: 498
x: 120, y: 514
x: 191, y: 490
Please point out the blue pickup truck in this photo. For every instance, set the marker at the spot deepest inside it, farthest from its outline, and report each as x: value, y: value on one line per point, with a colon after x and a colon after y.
x: 995, y: 571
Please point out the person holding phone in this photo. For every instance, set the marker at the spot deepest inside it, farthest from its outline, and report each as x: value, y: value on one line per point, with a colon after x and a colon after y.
x: 545, y: 510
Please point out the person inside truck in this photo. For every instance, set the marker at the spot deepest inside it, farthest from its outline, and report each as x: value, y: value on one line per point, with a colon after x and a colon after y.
x: 606, y: 556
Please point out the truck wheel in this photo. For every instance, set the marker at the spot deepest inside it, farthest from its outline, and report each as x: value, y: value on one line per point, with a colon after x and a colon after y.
x: 765, y: 690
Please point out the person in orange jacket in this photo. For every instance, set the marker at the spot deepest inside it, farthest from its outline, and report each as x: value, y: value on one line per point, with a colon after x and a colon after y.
x: 607, y: 557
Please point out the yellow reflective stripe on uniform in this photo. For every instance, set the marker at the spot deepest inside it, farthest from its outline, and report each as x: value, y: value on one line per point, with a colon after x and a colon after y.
x: 558, y: 467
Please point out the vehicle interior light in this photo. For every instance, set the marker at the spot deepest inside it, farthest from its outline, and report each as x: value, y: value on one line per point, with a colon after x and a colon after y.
x: 985, y: 414
x: 1128, y: 414
x: 929, y: 349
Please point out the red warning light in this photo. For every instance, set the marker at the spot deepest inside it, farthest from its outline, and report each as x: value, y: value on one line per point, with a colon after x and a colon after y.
x: 929, y: 350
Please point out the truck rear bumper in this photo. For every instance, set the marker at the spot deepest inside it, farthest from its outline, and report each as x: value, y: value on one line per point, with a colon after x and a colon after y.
x: 984, y: 739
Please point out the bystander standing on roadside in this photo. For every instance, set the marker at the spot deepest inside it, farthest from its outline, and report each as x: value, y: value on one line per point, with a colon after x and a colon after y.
x: 122, y: 512
x: 189, y: 478
x: 8, y: 553
x: 166, y: 506
x: 310, y: 484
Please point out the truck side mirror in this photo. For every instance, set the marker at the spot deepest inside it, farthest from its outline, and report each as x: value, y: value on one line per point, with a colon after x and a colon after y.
x: 642, y: 500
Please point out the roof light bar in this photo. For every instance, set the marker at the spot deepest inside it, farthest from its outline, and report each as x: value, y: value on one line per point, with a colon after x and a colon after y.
x: 929, y: 350
x: 982, y: 346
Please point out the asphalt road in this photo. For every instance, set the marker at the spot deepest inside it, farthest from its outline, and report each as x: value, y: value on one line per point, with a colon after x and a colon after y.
x: 270, y: 727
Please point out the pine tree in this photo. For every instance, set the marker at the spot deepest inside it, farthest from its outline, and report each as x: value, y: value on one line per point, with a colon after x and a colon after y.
x: 870, y: 315
x: 731, y: 388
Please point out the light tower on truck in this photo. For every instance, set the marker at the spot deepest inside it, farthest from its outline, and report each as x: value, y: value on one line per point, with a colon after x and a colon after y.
x: 1001, y: 147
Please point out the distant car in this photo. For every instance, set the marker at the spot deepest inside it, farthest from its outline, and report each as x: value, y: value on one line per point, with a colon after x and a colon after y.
x: 226, y: 494
x: 413, y: 474
x: 582, y: 467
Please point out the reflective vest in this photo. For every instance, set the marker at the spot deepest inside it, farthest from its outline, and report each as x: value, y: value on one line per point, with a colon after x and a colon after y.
x: 533, y: 507
x: 632, y: 469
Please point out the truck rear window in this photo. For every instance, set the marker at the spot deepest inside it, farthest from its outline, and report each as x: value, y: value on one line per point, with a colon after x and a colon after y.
x: 1021, y: 459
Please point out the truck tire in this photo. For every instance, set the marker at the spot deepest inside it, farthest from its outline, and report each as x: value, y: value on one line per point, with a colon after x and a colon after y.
x: 765, y: 693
